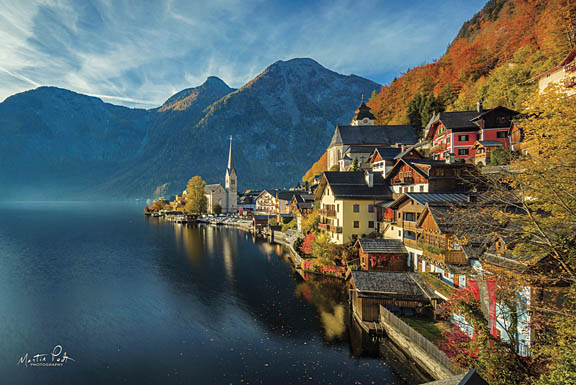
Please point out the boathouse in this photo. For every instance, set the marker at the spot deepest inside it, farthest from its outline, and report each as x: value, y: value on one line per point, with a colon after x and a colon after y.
x: 400, y: 292
x: 382, y: 254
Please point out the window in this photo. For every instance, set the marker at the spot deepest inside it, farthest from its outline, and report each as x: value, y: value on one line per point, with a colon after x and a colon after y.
x: 410, y: 217
x: 370, y: 208
x: 463, y: 151
x: 356, y: 208
x: 502, y: 134
x: 463, y: 138
x: 356, y: 224
x: 370, y: 224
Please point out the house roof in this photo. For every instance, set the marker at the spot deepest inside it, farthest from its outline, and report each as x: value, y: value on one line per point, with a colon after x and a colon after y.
x: 400, y: 284
x: 423, y: 198
x: 382, y: 246
x: 373, y: 135
x: 352, y: 185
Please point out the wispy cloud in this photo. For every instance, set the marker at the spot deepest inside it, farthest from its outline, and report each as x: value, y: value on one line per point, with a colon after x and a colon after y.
x: 141, y: 52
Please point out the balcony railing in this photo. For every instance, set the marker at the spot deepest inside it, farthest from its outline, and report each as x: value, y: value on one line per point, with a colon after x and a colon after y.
x: 327, y: 212
x: 335, y: 229
x: 453, y: 257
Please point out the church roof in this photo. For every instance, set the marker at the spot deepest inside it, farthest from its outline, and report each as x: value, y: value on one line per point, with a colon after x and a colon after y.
x: 373, y: 135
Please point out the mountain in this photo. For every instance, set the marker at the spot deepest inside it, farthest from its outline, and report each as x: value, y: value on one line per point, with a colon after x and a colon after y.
x: 493, y: 58
x: 56, y: 143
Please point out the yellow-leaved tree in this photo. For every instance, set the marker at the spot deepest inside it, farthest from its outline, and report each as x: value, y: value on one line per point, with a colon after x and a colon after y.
x: 196, y: 200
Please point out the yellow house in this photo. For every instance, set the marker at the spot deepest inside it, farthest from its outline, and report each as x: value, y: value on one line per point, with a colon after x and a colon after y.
x: 348, y: 203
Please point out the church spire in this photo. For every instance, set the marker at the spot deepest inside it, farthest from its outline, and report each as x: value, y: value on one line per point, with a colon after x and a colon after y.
x: 230, y: 157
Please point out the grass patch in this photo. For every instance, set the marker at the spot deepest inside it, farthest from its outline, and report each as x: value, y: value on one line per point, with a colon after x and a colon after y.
x: 431, y: 330
x: 437, y: 284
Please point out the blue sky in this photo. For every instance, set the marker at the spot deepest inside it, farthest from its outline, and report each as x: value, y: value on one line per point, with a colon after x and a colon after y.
x: 140, y: 52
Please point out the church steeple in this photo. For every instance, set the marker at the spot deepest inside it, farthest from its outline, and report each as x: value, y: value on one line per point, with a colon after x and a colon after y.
x: 230, y: 157
x: 231, y: 183
x: 363, y: 115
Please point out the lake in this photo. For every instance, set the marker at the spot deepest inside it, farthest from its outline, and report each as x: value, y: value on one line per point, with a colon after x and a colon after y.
x: 137, y: 300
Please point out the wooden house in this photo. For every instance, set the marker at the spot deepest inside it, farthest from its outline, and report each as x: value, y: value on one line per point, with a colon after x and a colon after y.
x: 483, y: 151
x: 454, y: 133
x: 382, y: 254
x: 421, y: 176
x: 399, y: 292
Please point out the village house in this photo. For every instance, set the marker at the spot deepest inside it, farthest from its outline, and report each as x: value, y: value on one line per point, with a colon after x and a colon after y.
x: 383, y: 159
x: 398, y: 219
x: 347, y: 203
x: 363, y: 133
x: 454, y: 133
x: 410, y: 175
x: 400, y: 292
x: 563, y: 74
x: 382, y: 254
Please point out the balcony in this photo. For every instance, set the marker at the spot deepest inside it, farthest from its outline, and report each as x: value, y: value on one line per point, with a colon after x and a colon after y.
x: 335, y: 229
x: 451, y: 257
x: 327, y: 212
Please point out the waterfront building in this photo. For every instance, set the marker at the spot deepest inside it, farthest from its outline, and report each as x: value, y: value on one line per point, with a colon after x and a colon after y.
x: 454, y: 133
x: 400, y: 292
x: 382, y: 254
x: 363, y: 135
x: 347, y: 203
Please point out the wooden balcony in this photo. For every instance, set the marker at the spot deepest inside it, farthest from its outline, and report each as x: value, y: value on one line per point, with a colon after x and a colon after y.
x: 412, y: 243
x: 451, y: 257
x: 327, y: 212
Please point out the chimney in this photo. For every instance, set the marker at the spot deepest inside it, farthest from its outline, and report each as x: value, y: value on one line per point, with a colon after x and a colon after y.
x: 479, y: 106
x: 369, y: 177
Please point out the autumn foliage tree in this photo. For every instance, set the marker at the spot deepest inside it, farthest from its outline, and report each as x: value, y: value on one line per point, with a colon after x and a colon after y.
x: 196, y: 200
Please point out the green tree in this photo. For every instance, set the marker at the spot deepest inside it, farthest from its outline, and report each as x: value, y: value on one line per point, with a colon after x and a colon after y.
x: 197, y: 201
x: 355, y: 164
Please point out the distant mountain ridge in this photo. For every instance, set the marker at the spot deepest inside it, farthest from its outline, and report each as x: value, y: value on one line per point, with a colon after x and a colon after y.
x: 55, y: 143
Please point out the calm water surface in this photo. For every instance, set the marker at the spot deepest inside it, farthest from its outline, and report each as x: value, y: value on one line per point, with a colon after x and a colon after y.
x: 136, y: 300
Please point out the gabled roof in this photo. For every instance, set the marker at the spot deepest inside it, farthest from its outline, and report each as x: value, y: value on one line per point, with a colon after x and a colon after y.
x: 382, y: 246
x: 401, y: 284
x: 373, y: 135
x: 352, y: 185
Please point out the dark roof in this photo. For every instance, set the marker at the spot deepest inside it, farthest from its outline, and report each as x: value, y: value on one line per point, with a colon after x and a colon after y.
x: 373, y: 135
x: 400, y: 284
x: 352, y: 185
x: 423, y: 198
x: 382, y: 246
x: 458, y: 119
x: 388, y: 152
x: 468, y: 378
x: 364, y: 112
x: 360, y: 149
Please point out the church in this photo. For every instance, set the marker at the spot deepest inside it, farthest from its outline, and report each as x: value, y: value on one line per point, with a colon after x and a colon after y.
x: 362, y: 136
x: 226, y: 197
